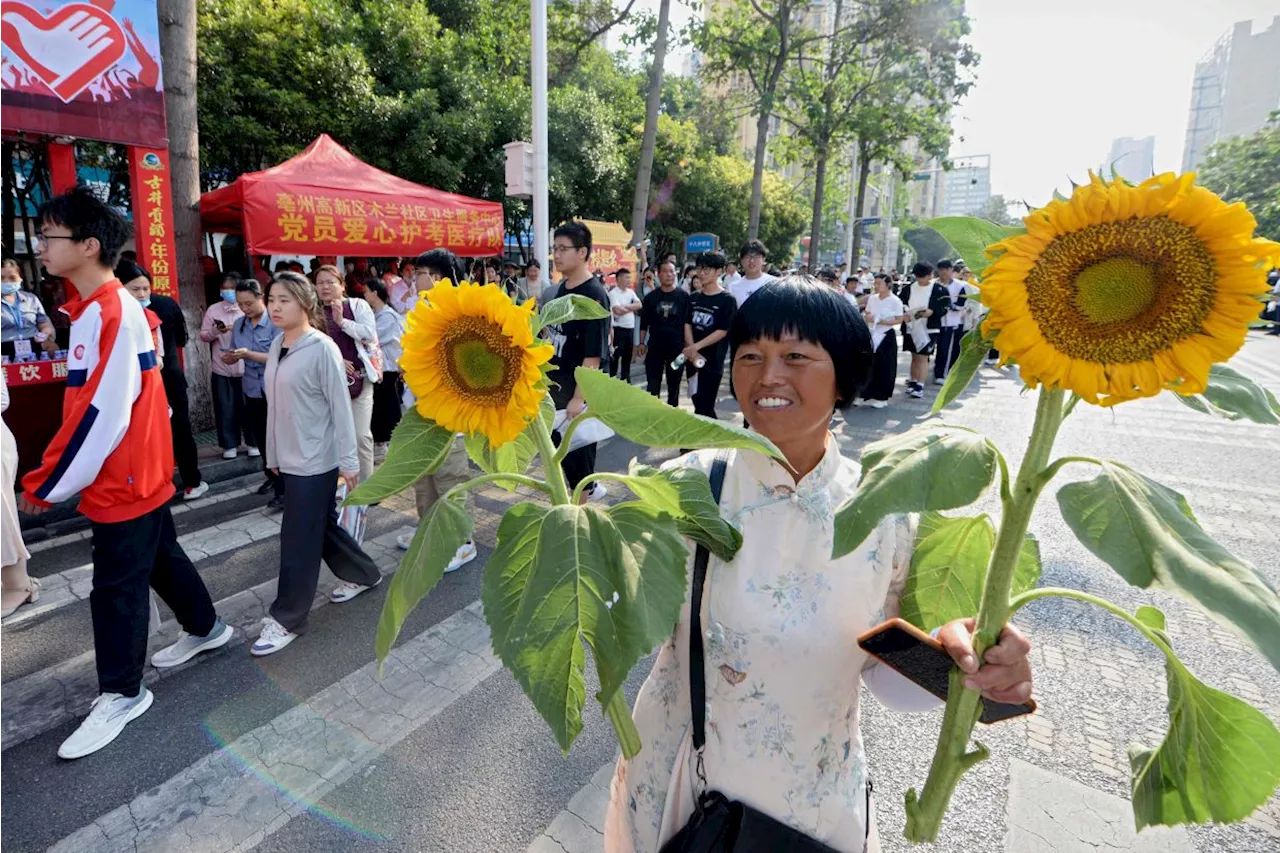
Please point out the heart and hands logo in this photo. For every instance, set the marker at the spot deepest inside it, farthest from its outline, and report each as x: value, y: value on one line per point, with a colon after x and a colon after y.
x: 67, y: 49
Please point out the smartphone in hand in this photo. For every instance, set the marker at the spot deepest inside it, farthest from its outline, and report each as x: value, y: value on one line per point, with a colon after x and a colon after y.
x: 911, y: 652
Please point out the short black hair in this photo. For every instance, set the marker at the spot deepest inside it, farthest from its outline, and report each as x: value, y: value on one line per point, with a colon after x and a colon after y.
x: 441, y: 263
x: 944, y: 264
x: 753, y: 247
x: 88, y: 217
x: 249, y: 285
x: 712, y: 260
x: 578, y: 234
x: 921, y: 270
x: 493, y: 263
x: 621, y: 271
x: 233, y: 277
x: 377, y: 286
x: 128, y: 270
x: 533, y: 262
x: 815, y: 313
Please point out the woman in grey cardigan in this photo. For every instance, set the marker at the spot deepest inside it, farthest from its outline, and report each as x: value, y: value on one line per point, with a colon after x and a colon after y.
x: 311, y: 441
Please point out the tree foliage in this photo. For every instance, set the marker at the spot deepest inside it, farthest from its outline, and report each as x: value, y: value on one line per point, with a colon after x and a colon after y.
x: 1247, y: 169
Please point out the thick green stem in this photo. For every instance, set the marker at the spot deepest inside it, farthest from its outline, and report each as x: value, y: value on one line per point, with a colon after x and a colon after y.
x: 550, y: 463
x: 518, y: 479
x: 620, y: 716
x: 952, y: 757
x: 567, y: 433
x: 1060, y: 592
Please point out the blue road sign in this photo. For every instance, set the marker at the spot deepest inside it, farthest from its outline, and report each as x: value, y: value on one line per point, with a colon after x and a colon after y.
x: 695, y: 243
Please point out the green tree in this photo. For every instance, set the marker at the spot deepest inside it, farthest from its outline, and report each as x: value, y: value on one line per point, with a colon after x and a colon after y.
x: 996, y: 210
x: 1247, y: 169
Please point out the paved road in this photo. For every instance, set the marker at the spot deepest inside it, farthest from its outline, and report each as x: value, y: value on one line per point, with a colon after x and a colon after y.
x: 306, y: 751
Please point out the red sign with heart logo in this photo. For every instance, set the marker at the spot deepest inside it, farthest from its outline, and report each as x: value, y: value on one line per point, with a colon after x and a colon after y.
x: 83, y: 68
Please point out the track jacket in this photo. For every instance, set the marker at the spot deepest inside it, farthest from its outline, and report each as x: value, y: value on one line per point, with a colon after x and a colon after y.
x: 114, y: 446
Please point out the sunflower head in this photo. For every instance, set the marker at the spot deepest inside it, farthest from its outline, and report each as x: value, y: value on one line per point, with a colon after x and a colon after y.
x: 471, y: 359
x: 1121, y: 291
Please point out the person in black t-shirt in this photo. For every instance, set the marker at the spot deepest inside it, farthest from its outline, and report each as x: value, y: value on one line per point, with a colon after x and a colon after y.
x: 662, y: 317
x: 706, y: 331
x: 586, y: 344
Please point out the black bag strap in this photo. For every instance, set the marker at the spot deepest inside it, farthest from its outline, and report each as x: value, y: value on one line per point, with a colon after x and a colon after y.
x: 697, y: 661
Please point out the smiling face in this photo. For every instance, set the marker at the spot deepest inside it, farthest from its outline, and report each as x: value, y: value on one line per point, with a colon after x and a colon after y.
x: 786, y: 388
x: 752, y: 265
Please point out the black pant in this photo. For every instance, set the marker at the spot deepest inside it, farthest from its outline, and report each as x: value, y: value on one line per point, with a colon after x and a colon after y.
x: 386, y: 406
x: 309, y: 531
x: 884, y: 369
x: 948, y: 350
x: 704, y: 399
x: 579, y: 464
x: 228, y: 412
x: 184, y: 443
x: 255, y: 409
x: 129, y: 556
x: 623, y: 344
x: 656, y: 364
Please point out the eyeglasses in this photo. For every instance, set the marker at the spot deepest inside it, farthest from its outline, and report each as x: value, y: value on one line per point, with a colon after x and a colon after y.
x: 43, y: 239
x: 562, y: 248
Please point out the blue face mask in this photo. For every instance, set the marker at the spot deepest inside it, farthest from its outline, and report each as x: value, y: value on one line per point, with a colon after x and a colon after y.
x: 10, y: 287
x: 227, y: 295
x: 145, y: 302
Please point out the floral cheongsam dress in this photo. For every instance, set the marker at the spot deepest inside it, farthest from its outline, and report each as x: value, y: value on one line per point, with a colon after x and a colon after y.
x: 784, y: 668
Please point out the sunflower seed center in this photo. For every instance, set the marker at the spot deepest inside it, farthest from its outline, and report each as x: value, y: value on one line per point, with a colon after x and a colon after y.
x: 1115, y: 290
x: 479, y: 361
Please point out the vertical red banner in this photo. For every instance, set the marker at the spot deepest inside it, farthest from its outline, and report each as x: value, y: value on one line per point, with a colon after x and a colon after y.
x: 153, y: 217
x: 62, y: 167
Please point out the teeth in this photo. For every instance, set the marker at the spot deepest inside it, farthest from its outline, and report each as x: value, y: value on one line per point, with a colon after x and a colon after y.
x: 772, y: 403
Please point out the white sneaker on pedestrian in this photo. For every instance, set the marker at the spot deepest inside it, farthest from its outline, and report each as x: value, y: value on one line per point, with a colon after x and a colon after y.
x: 990, y: 360
x: 379, y: 452
x: 273, y: 638
x: 254, y: 452
x: 195, y: 491
x: 597, y: 492
x: 188, y: 646
x: 404, y: 540
x: 937, y: 381
x: 465, y: 555
x: 879, y: 404
x: 230, y: 454
x: 108, y: 716
x: 347, y: 590
x: 916, y: 391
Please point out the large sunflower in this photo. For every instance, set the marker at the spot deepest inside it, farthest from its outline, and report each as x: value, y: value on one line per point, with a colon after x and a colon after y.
x: 471, y: 359
x: 1121, y: 291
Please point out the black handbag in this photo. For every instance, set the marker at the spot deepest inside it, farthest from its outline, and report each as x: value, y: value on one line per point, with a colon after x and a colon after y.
x: 721, y: 825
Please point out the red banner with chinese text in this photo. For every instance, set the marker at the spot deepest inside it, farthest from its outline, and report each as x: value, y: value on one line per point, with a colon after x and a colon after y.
x: 35, y: 372
x: 153, y: 217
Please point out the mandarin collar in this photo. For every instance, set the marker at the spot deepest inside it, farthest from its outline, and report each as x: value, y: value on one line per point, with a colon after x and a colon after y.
x: 774, y: 475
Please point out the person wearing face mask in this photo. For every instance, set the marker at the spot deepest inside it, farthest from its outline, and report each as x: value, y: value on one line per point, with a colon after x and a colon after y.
x: 228, y: 398
x: 23, y: 317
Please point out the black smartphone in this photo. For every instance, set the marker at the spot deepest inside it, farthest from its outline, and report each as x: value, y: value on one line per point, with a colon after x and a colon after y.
x: 906, y: 649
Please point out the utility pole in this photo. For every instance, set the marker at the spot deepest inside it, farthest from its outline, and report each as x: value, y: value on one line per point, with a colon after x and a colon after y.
x: 538, y: 71
x: 853, y: 208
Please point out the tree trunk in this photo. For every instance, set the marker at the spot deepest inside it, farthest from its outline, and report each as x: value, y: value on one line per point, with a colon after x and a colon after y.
x: 644, y: 175
x: 178, y: 58
x: 757, y: 175
x: 784, y: 12
x: 819, y: 190
x: 864, y: 172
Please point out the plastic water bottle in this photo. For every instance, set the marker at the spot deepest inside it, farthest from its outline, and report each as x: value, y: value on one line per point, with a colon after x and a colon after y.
x: 698, y: 363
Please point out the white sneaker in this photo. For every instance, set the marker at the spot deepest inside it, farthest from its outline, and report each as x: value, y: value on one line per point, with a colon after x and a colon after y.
x: 404, y: 540
x: 188, y: 646
x: 110, y: 713
x: 195, y: 491
x: 878, y: 404
x: 379, y: 452
x: 346, y: 591
x: 273, y: 638
x: 465, y: 555
x: 254, y: 452
x: 916, y: 393
x: 857, y: 402
x: 230, y: 454
x: 989, y: 360
x: 936, y: 381
x: 597, y: 492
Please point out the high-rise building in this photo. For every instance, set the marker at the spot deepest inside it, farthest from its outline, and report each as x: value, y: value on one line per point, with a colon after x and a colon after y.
x: 966, y: 188
x: 1236, y: 86
x: 1132, y: 159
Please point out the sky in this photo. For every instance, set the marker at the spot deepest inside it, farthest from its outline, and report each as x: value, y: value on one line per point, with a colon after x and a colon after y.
x: 1058, y: 81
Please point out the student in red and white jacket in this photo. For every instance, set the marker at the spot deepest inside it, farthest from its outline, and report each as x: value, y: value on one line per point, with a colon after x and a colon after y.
x: 114, y: 450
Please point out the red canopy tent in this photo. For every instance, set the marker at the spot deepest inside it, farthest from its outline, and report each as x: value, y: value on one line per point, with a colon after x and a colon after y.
x: 326, y: 201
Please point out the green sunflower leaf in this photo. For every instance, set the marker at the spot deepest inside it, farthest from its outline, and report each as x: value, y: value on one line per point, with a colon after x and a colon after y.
x: 436, y: 540
x: 571, y: 307
x: 1232, y: 395
x: 513, y: 457
x: 1218, y: 762
x: 418, y: 446
x: 973, y: 349
x: 685, y: 494
x: 970, y: 236
x: 949, y: 569
x: 640, y: 417
x: 931, y: 467
x: 564, y: 578
x: 1148, y: 534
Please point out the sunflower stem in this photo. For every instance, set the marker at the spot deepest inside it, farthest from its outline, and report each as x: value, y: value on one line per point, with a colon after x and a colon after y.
x: 550, y: 463
x: 567, y: 433
x: 620, y: 716
x: 952, y: 757
x: 518, y: 479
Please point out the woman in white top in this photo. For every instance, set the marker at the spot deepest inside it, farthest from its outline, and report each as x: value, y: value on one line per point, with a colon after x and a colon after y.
x: 781, y: 619
x: 883, y: 313
x: 19, y: 587
x: 351, y: 324
x: 386, y: 396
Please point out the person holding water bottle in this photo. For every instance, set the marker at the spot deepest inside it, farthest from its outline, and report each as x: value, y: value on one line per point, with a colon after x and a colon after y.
x: 706, y: 332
